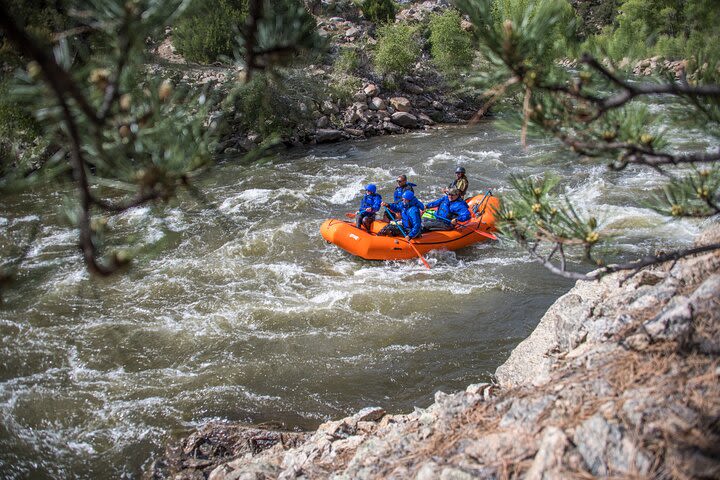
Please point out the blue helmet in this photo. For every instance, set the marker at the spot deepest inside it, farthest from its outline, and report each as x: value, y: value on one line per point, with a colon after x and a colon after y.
x: 371, y: 188
x: 408, y: 195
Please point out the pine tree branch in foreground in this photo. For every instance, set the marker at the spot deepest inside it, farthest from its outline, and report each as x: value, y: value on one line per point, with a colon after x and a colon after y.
x: 128, y: 138
x: 596, y: 112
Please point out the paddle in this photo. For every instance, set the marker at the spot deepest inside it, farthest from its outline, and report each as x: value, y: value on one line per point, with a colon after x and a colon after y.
x: 399, y: 225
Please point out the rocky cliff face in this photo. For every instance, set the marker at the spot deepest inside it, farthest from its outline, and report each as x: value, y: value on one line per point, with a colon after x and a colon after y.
x: 620, y: 378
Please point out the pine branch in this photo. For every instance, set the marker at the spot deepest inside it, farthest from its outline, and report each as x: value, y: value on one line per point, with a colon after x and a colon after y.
x: 634, y: 266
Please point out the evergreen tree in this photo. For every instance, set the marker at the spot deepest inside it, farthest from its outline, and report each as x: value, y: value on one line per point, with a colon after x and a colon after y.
x: 126, y: 138
x: 597, y: 113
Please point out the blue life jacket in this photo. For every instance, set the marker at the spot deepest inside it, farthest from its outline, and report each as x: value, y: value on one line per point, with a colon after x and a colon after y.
x: 447, y: 210
x: 399, y: 206
x: 411, y: 221
x: 372, y: 200
x: 397, y: 194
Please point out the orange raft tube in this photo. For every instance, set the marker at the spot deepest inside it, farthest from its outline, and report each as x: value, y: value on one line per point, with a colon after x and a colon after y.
x: 369, y: 246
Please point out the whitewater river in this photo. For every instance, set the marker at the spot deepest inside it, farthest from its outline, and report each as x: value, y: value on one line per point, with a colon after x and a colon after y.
x: 242, y: 312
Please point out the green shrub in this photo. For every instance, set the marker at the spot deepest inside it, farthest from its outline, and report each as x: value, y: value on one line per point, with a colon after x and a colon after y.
x: 206, y: 32
x: 343, y: 87
x: 379, y: 11
x: 348, y: 60
x: 274, y: 105
x: 398, y: 49
x: 16, y: 120
x: 450, y: 45
x: 671, y: 28
x: 41, y: 19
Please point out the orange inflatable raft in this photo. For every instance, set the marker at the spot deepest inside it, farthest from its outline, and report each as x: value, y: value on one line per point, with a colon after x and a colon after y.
x: 372, y: 246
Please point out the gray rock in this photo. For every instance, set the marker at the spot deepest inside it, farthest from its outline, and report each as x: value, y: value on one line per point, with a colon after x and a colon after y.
x: 323, y: 122
x: 525, y: 411
x: 390, y: 127
x: 649, y: 277
x: 673, y: 323
x: 477, y: 388
x: 371, y: 90
x: 324, y: 135
x: 606, y: 450
x: 449, y: 473
x: 400, y: 104
x: 424, y: 119
x: 404, y: 119
x: 355, y: 132
x: 369, y: 414
x: 360, y: 97
x: 377, y: 103
x: 429, y: 471
x: 548, y: 459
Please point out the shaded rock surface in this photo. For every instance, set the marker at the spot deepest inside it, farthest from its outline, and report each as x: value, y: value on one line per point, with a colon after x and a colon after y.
x: 619, y: 379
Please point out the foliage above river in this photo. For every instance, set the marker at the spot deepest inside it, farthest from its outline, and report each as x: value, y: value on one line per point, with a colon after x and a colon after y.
x: 129, y: 137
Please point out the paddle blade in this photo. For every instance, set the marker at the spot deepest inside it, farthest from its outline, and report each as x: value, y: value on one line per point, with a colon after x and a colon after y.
x: 351, y: 215
x: 420, y: 255
x: 486, y: 234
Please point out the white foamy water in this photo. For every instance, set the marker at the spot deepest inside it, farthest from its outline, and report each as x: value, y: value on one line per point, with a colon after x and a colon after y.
x: 243, y: 312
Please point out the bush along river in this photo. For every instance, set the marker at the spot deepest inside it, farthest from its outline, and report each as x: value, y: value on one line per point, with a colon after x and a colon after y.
x: 243, y: 313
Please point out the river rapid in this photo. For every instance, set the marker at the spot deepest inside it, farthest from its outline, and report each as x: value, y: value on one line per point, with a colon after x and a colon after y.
x: 242, y: 312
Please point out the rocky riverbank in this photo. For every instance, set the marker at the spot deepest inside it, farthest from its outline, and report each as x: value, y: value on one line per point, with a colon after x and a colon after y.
x: 620, y: 378
x: 376, y: 105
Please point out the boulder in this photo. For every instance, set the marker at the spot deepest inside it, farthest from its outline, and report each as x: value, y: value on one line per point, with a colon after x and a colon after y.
x: 405, y: 120
x: 401, y: 104
x: 606, y: 449
x: 325, y: 135
x: 390, y: 127
x: 323, y: 122
x: 371, y: 90
x: 548, y: 460
x: 355, y: 132
x: 424, y: 119
x: 370, y: 414
x: 377, y: 103
x: 360, y: 106
x: 352, y: 116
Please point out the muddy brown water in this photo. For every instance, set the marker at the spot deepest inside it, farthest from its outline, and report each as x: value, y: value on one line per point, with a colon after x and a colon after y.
x: 242, y: 312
